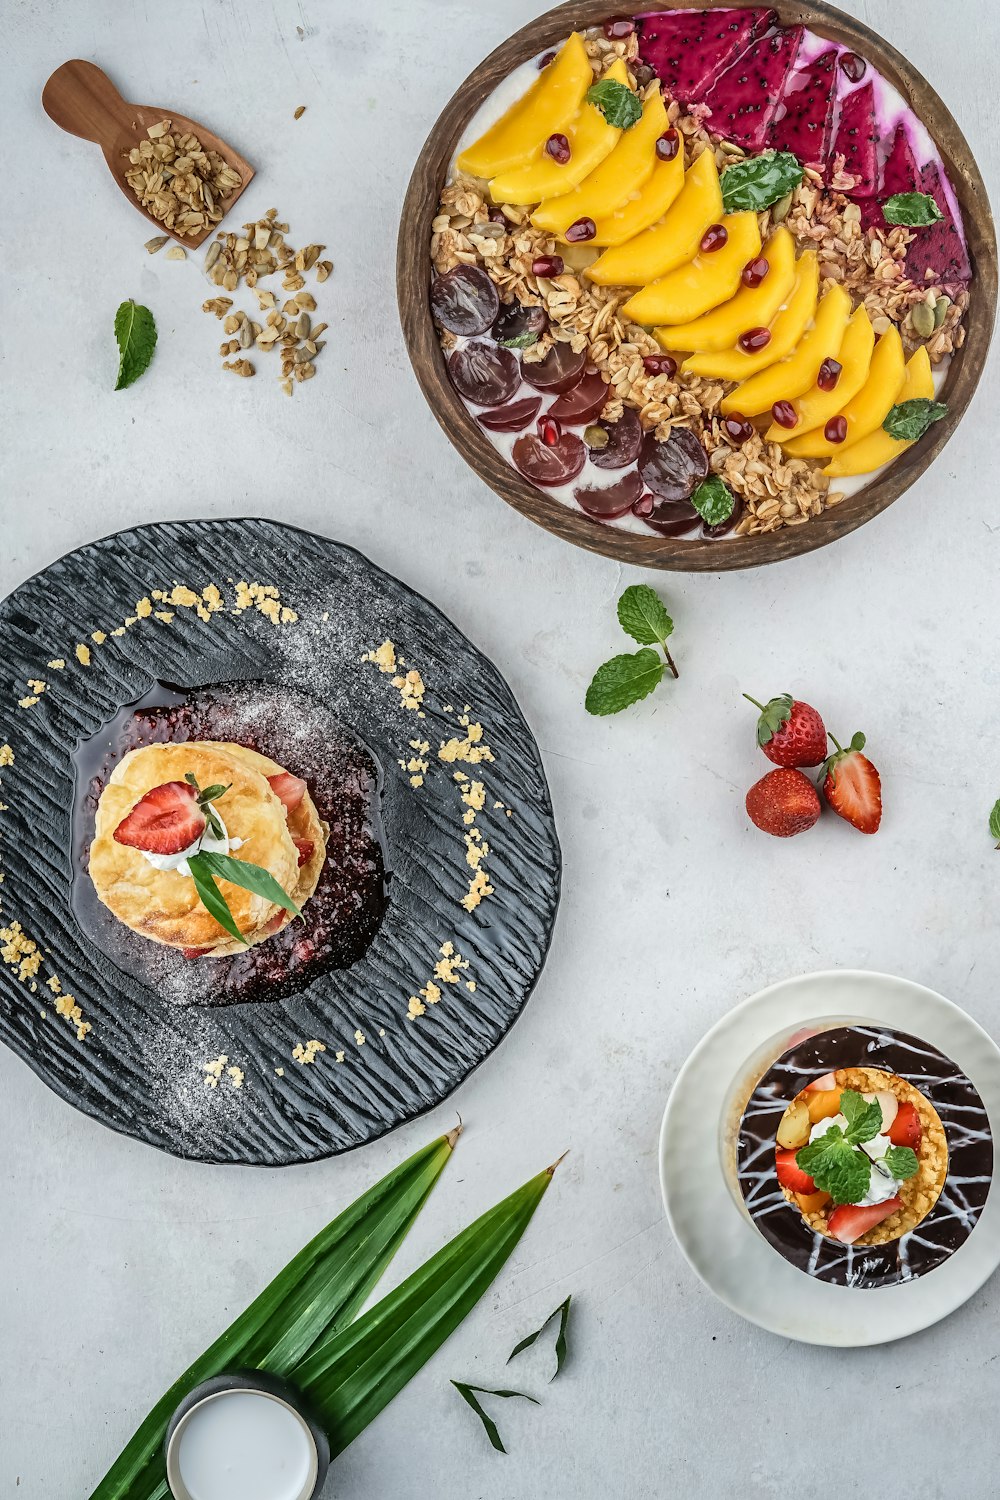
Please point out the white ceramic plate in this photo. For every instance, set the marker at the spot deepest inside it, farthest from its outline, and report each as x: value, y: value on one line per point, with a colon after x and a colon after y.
x: 697, y: 1169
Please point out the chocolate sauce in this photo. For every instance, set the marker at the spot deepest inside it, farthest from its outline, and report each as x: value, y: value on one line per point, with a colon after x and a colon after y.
x: 339, y: 921
x: 970, y: 1157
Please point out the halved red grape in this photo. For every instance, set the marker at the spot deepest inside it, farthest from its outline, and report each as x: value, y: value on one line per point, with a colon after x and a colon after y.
x: 518, y: 327
x: 672, y: 518
x: 611, y: 500
x: 464, y: 300
x: 512, y: 418
x: 485, y: 374
x: 560, y: 369
x: 624, y: 441
x: 549, y: 465
x: 674, y: 468
x: 584, y: 402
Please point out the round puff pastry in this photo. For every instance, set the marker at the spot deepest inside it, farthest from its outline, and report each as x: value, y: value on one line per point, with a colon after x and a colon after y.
x: 163, y: 905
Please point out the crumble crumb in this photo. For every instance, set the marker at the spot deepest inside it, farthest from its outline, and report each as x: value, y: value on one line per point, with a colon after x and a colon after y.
x: 308, y: 1053
x: 57, y: 664
x: 213, y: 1070
x: 359, y: 1037
x: 236, y: 1075
x: 83, y: 654
x: 98, y: 637
x: 6, y: 755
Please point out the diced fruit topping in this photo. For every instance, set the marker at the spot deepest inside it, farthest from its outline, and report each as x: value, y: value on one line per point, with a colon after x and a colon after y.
x: 547, y: 266
x: 604, y: 504
x: 485, y: 374
x: 166, y: 820
x: 581, y: 229
x: 659, y: 364
x: 549, y: 431
x: 850, y: 1221
x: 811, y: 1203
x: 560, y: 369
x: 675, y: 467
x: 464, y: 300
x: 790, y: 1175
x: 754, y: 271
x: 790, y: 732
x: 744, y: 98
x: 783, y: 803
x: 512, y: 418
x: 623, y: 441
x: 557, y: 146
x: 288, y: 789
x: 668, y: 145
x: 823, y: 1103
x: 618, y: 28
x: 853, y: 66
x: 689, y: 48
x: 906, y: 1129
x: 828, y: 374
x: 549, y: 465
x: 583, y: 402
x: 853, y: 787
x: 828, y: 1081
x: 305, y: 848
x: 784, y: 414
x: 518, y: 327
x: 753, y: 340
x: 889, y: 1105
x: 793, y: 1131
x: 737, y: 427
x: 835, y: 430
x: 715, y: 236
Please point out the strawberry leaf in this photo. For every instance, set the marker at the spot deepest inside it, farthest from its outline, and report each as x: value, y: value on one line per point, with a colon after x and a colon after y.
x: 249, y: 877
x: 624, y: 680
x: 774, y: 715
x: 135, y: 333
x: 642, y: 615
x: 469, y: 1393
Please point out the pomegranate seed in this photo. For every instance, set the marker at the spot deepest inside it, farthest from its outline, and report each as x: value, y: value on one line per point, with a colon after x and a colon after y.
x: 668, y: 145
x: 853, y: 66
x: 754, y: 271
x: 618, y: 28
x: 753, y: 340
x: 835, y: 430
x: 581, y: 229
x: 738, y: 427
x: 643, y: 506
x: 557, y: 147
x: 659, y: 364
x: 829, y: 374
x: 549, y: 431
x: 497, y: 215
x: 544, y: 60
x: 714, y: 238
x: 547, y: 265
x: 784, y: 414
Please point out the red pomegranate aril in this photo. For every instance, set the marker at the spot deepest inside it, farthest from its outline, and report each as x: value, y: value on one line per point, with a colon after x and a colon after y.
x: 784, y: 414
x: 659, y: 364
x: 581, y: 229
x: 549, y: 431
x: 618, y: 28
x: 835, y: 430
x: 738, y: 427
x: 753, y: 340
x: 668, y: 145
x: 754, y: 271
x: 547, y: 265
x: 715, y: 236
x: 853, y: 66
x: 545, y: 59
x: 557, y: 146
x: 829, y: 374
x: 643, y: 507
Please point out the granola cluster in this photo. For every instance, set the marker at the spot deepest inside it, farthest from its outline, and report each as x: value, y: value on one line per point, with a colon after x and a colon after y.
x: 177, y: 181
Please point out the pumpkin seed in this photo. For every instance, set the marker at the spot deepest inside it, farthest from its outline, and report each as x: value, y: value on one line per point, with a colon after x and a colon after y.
x: 922, y: 318
x: 595, y: 437
x: 780, y: 209
x: 941, y: 307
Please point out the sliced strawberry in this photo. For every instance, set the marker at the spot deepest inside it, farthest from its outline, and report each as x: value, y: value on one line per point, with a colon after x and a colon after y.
x: 288, y: 789
x: 193, y: 952
x: 305, y: 848
x: 790, y: 1174
x: 783, y: 803
x: 789, y: 732
x: 853, y: 787
x: 906, y: 1129
x: 165, y: 821
x: 850, y: 1221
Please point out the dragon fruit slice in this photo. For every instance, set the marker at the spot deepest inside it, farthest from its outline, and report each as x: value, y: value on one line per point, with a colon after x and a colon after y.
x: 688, y: 48
x: 899, y: 175
x: 803, y: 118
x: 939, y: 247
x: 744, y: 98
x: 856, y: 139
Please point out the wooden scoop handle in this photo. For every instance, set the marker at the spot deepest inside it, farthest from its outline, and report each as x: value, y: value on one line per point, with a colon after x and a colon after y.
x: 80, y: 98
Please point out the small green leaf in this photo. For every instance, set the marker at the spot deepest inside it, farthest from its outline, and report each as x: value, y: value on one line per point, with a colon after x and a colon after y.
x: 909, y: 420
x: 713, y: 500
x: 642, y: 615
x: 211, y: 793
x: 623, y: 680
x: 135, y: 332
x: 995, y: 819
x: 212, y: 898
x: 250, y: 877
x: 521, y: 340
x: 912, y: 209
x: 468, y: 1393
x: 759, y: 181
x: 563, y: 1313
x: 901, y: 1161
x: 619, y: 106
x: 864, y: 1120
x: 836, y: 1166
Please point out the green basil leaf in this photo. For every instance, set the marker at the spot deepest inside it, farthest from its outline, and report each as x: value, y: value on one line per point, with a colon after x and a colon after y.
x: 623, y: 680
x: 135, y: 333
x: 995, y: 819
x: 211, y: 897
x: 563, y: 1313
x: 642, y: 615
x: 469, y: 1392
x: 913, y: 209
x: 909, y: 420
x: 250, y: 877
x: 713, y: 500
x: 759, y: 181
x: 619, y: 106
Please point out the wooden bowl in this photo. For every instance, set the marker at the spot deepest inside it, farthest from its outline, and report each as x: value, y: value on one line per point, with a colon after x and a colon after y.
x: 413, y: 279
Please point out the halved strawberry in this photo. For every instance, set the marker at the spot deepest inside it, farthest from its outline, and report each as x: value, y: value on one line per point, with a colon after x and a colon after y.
x: 850, y: 1221
x: 790, y: 1174
x: 853, y: 787
x: 165, y: 821
x: 305, y: 848
x: 288, y: 789
x: 906, y: 1129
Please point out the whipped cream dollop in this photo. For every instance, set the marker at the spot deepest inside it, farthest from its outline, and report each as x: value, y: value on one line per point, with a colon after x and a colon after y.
x: 881, y: 1183
x: 210, y: 842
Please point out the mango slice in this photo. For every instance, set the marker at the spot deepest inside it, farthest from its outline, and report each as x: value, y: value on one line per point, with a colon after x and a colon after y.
x: 790, y: 377
x: 673, y: 241
x: 590, y: 139
x: 817, y: 406
x: 879, y: 448
x: 788, y: 326
x: 644, y: 208
x: 703, y: 283
x: 752, y: 307
x: 870, y: 406
x: 550, y: 103
x: 616, y: 180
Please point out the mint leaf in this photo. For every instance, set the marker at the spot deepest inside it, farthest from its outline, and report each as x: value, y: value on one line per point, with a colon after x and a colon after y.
x: 909, y: 420
x: 619, y: 106
x: 913, y: 209
x: 642, y: 615
x: 713, y: 500
x: 212, y: 898
x: 901, y: 1161
x: 836, y: 1166
x: 135, y: 333
x: 470, y: 1392
x: 623, y: 680
x: 249, y: 877
x: 562, y: 1311
x: 759, y: 181
x: 995, y: 820
x: 520, y: 340
x: 864, y: 1120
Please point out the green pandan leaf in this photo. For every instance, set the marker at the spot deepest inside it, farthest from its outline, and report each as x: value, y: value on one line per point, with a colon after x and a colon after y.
x: 562, y: 1312
x: 250, y: 877
x: 470, y: 1392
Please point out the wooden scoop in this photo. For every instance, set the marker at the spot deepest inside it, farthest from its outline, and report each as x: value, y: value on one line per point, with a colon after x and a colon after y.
x: 84, y: 101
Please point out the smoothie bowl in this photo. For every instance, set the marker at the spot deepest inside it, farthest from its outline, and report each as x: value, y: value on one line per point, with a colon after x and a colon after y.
x: 698, y: 288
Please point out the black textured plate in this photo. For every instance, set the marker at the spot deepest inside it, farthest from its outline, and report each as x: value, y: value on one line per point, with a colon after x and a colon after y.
x: 141, y: 1066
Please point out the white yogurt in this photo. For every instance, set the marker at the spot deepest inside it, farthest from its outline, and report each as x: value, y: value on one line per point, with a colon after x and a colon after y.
x: 881, y: 1184
x: 210, y: 842
x: 245, y: 1445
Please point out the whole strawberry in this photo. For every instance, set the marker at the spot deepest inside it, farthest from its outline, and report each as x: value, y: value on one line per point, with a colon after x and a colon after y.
x: 783, y: 803
x: 853, y: 787
x: 790, y: 732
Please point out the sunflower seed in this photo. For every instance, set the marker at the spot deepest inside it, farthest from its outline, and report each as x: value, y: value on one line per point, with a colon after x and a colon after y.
x: 298, y: 115
x: 303, y: 325
x: 156, y: 244
x: 212, y: 254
